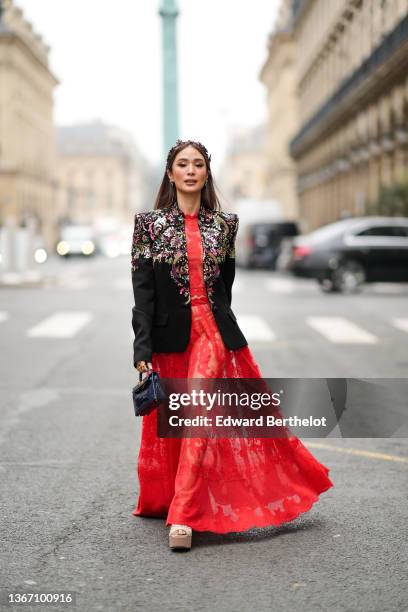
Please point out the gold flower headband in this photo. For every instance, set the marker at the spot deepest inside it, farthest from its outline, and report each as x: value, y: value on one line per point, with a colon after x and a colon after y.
x: 194, y: 143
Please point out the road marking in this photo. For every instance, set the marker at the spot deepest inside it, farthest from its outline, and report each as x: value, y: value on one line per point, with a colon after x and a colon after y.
x: 60, y: 325
x: 340, y: 330
x: 44, y: 463
x: 355, y: 451
x: 400, y: 323
x: 255, y: 328
x: 280, y: 285
x: 3, y: 316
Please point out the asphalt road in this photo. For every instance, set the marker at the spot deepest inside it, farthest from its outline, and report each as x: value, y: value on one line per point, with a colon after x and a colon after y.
x: 69, y: 443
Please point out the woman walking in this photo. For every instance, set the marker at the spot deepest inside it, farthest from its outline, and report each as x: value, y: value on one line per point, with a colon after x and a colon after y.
x: 183, y: 269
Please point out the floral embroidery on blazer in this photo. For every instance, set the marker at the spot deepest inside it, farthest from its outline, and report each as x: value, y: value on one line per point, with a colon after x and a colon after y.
x: 159, y: 235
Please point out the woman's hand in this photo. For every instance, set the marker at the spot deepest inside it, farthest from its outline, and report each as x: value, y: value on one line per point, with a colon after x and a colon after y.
x: 142, y: 366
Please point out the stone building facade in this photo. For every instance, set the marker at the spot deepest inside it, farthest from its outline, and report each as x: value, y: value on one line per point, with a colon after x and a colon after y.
x: 278, y: 74
x: 27, y: 137
x: 352, y: 83
x: 99, y: 174
x: 244, y: 173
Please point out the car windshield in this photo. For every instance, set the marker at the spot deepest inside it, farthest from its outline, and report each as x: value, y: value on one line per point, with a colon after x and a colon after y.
x: 385, y: 231
x: 76, y: 232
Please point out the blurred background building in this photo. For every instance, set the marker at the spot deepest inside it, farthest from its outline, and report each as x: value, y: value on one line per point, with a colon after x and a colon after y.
x: 336, y: 80
x: 27, y: 139
x: 352, y: 88
x: 100, y: 174
x: 278, y: 74
x: 87, y: 173
x: 244, y: 173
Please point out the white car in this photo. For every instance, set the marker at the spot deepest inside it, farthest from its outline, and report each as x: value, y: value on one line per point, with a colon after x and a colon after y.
x: 76, y: 240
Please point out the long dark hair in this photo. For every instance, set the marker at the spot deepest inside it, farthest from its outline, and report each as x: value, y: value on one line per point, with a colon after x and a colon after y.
x: 167, y: 192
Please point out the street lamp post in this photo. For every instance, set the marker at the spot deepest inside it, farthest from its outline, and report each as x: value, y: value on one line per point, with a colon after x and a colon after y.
x: 168, y: 12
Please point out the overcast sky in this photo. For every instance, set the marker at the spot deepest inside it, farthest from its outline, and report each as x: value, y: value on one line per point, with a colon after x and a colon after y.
x: 107, y: 56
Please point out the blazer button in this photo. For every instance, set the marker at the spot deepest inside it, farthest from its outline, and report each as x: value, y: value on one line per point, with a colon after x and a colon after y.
x: 214, y: 307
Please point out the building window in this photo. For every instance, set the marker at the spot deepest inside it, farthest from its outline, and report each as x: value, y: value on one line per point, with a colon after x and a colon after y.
x: 71, y: 197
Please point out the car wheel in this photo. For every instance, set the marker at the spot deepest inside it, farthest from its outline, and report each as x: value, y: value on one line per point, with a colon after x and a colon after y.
x: 349, y: 277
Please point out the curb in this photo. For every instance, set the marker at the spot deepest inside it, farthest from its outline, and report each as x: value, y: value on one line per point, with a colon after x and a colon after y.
x: 27, y: 279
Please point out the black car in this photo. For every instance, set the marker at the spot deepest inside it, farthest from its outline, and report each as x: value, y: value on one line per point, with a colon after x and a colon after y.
x: 261, y: 242
x: 344, y: 255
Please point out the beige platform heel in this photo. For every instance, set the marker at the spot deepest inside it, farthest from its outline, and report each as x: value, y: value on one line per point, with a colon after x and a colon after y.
x: 180, y: 537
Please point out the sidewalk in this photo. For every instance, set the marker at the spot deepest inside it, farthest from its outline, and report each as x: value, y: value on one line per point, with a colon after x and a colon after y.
x: 30, y: 278
x: 41, y: 275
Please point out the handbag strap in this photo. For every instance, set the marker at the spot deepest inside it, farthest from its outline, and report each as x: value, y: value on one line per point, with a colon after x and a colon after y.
x: 141, y: 374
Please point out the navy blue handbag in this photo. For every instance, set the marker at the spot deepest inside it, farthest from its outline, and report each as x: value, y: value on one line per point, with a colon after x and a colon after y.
x: 148, y: 394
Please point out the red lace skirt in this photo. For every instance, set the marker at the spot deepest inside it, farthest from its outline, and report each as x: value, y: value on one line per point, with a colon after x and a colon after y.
x: 226, y: 484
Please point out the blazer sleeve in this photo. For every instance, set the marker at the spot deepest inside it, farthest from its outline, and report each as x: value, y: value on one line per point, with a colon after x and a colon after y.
x: 228, y: 268
x: 143, y: 290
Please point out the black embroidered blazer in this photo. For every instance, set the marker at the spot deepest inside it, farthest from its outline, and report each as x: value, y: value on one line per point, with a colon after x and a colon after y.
x: 161, y: 316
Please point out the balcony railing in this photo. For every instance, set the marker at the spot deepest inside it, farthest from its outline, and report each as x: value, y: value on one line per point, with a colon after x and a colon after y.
x: 357, y: 80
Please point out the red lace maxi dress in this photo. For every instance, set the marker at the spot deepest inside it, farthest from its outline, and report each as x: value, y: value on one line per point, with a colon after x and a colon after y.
x: 226, y: 484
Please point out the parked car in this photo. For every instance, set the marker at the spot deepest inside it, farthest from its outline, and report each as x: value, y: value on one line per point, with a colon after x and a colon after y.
x: 76, y: 240
x: 260, y: 242
x: 344, y: 255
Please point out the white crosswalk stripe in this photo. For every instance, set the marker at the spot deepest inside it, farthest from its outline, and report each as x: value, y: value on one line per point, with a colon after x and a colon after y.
x: 280, y: 285
x: 255, y: 328
x: 341, y: 331
x: 400, y: 323
x: 60, y: 325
